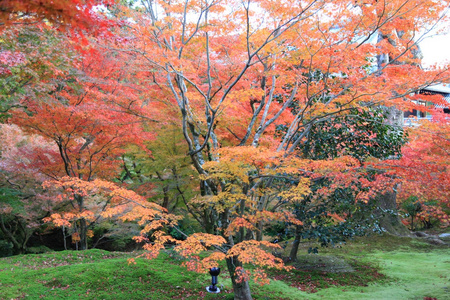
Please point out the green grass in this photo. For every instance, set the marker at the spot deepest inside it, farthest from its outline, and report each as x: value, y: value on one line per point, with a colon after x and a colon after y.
x: 411, y: 276
x: 96, y: 274
x: 386, y: 268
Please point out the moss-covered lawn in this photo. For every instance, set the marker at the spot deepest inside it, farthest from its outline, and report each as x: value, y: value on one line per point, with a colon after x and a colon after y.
x: 385, y: 268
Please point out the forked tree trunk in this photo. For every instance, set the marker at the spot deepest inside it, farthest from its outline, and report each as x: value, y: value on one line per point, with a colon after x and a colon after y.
x: 83, y: 234
x: 390, y: 222
x: 82, y: 224
x: 295, y: 245
x: 241, y: 289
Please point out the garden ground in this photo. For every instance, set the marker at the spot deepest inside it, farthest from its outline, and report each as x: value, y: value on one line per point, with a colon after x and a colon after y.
x: 377, y: 267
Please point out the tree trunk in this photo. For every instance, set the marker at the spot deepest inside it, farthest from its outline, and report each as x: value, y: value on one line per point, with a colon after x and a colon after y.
x: 259, y: 231
x: 387, y: 216
x: 64, y: 237
x: 295, y: 245
x: 82, y: 224
x: 165, y: 203
x: 241, y: 289
x: 83, y: 234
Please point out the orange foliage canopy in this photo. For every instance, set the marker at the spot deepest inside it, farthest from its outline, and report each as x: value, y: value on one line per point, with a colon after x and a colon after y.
x: 91, y: 118
x: 74, y: 13
x: 230, y: 73
x: 233, y: 72
x: 106, y: 200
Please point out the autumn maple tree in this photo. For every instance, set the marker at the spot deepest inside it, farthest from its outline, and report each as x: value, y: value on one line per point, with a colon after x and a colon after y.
x: 87, y: 112
x: 23, y: 201
x: 295, y: 64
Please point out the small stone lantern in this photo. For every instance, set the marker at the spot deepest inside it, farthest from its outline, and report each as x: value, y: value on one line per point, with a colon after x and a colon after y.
x: 213, y: 288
